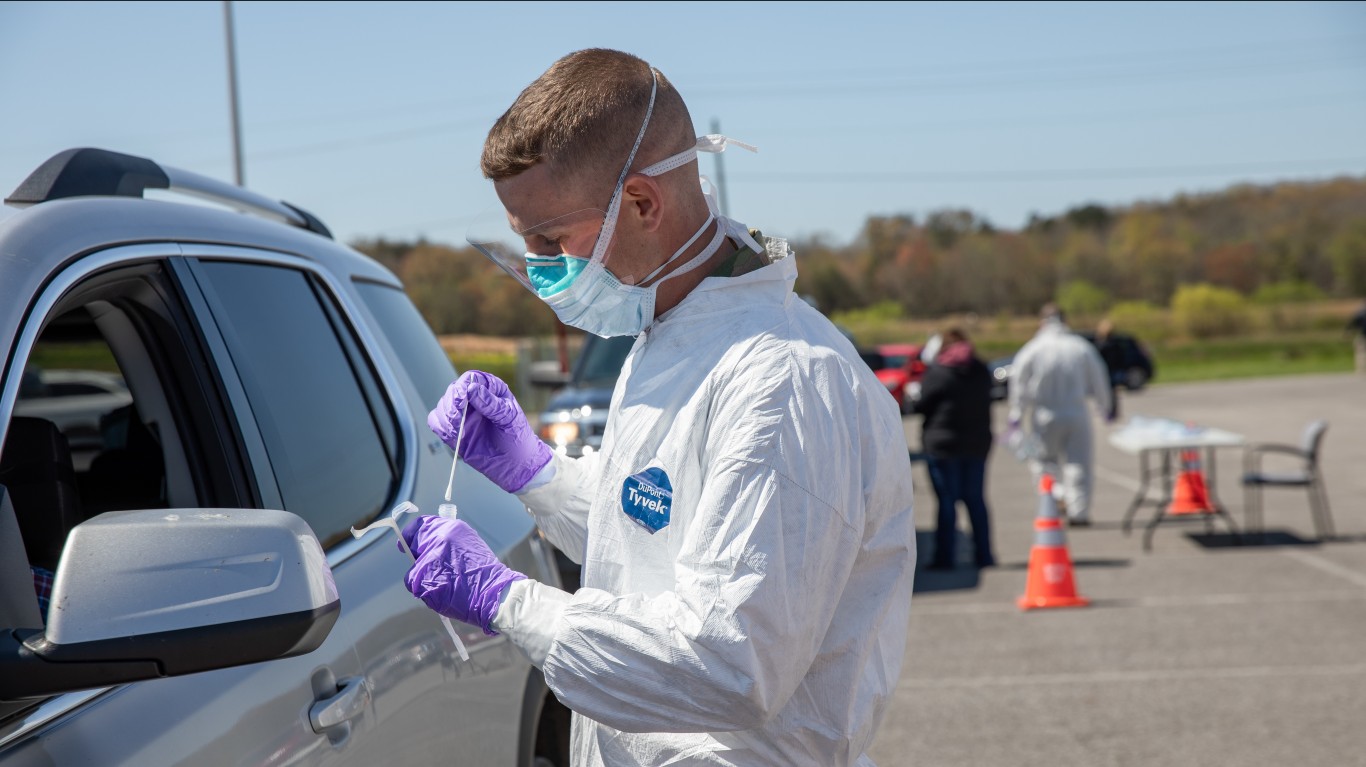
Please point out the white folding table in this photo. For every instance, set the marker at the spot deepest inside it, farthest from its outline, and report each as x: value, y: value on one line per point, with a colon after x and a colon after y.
x: 1144, y: 437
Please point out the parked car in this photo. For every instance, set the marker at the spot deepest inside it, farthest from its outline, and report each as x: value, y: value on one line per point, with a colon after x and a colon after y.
x: 79, y: 402
x: 1136, y: 372
x: 1135, y: 368
x: 901, y: 372
x: 1000, y: 377
x: 214, y: 606
x: 573, y: 421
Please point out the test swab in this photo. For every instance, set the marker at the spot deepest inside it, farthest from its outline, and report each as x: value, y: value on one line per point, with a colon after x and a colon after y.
x: 448, y: 509
x: 392, y: 522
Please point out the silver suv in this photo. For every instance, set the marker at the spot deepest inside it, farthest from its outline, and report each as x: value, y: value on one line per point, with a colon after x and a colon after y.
x: 210, y: 606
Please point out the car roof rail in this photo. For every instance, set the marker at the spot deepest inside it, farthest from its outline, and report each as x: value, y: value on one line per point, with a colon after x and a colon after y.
x: 87, y: 172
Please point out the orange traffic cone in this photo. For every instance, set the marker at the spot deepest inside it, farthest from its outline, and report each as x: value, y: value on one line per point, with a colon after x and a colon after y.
x: 1191, y: 494
x: 1050, y: 582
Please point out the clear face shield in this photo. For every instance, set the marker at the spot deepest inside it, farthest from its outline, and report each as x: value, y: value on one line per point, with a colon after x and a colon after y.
x: 539, y: 257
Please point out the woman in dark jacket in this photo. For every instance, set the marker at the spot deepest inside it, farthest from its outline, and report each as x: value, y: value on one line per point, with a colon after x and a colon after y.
x: 955, y: 400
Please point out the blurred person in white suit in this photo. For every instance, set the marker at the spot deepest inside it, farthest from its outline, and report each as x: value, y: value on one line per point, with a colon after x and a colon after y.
x: 1051, y: 379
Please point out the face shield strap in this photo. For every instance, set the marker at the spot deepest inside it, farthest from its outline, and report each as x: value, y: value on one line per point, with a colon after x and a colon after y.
x: 609, y: 223
x: 714, y: 143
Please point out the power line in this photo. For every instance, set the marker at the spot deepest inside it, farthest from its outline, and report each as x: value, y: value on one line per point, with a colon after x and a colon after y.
x: 1036, y: 174
x: 387, y: 137
x: 1082, y: 118
x: 1023, y: 82
x: 359, y: 142
x: 1260, y: 49
x: 813, y: 83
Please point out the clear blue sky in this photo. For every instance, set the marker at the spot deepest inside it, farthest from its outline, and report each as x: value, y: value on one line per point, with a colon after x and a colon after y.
x: 372, y: 115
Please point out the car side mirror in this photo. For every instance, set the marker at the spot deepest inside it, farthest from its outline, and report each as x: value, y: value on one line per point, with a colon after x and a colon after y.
x: 547, y: 374
x: 164, y: 592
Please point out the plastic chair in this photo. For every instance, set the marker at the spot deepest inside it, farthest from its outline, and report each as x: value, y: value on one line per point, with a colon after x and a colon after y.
x: 1308, y: 476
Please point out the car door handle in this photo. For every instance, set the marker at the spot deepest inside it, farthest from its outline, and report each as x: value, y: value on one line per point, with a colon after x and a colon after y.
x: 351, y: 698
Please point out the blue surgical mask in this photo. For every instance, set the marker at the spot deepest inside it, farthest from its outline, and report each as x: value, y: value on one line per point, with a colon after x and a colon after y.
x: 551, y: 274
x: 597, y: 302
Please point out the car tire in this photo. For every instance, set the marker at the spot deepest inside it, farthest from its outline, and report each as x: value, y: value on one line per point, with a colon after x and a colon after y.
x: 545, y: 726
x: 551, y: 740
x: 1135, y: 379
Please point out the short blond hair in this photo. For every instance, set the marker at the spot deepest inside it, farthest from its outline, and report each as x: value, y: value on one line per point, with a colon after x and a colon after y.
x: 583, y: 116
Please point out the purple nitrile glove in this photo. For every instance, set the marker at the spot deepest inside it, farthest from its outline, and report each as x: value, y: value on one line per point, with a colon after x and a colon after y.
x: 498, y: 441
x: 456, y: 574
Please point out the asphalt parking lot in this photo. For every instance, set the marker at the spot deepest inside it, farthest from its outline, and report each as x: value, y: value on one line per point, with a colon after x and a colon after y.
x: 1198, y: 653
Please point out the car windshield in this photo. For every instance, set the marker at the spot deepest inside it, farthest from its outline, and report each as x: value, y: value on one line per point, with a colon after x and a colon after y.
x: 896, y: 360
x: 601, y: 361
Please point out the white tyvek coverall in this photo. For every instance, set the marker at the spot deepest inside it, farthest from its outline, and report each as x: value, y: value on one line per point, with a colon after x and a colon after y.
x: 1051, y: 378
x: 765, y: 624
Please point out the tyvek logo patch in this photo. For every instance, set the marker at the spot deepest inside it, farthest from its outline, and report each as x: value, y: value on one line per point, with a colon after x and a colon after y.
x: 646, y: 498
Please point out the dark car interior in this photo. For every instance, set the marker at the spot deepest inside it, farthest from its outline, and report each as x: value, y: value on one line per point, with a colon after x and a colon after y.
x: 121, y: 466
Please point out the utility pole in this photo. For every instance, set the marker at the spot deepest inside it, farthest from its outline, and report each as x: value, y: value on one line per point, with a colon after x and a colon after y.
x: 720, y: 173
x: 238, y: 174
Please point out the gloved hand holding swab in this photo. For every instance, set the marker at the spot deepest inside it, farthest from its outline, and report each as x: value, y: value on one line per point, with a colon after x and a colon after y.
x: 392, y: 522
x: 448, y: 509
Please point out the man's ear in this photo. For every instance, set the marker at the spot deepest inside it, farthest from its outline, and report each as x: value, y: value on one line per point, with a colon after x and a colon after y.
x: 641, y: 197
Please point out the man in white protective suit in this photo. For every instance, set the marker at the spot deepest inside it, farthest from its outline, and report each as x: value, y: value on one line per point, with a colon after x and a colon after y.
x: 745, y: 530
x: 1051, y: 379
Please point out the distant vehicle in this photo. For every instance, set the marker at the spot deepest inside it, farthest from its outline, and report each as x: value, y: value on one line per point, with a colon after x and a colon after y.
x: 1135, y: 367
x: 891, y: 379
x: 1000, y: 377
x: 1136, y: 372
x: 875, y: 360
x: 901, y: 372
x: 77, y: 402
x: 573, y: 421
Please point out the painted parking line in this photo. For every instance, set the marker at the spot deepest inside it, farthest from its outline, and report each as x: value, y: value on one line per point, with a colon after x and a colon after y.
x: 1116, y: 478
x: 1327, y: 566
x: 1136, y: 676
x: 1183, y: 600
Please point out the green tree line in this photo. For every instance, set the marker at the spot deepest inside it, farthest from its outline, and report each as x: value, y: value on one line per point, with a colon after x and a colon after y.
x: 1281, y: 242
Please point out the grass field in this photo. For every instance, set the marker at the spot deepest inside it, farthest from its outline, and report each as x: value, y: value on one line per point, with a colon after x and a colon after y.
x: 1252, y: 358
x: 1317, y: 344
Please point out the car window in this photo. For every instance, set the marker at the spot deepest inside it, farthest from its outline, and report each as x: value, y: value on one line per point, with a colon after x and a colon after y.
x: 416, y: 348
x: 70, y: 359
x: 324, y: 435
x: 125, y: 442
x: 602, y: 359
x: 68, y: 389
x: 895, y: 360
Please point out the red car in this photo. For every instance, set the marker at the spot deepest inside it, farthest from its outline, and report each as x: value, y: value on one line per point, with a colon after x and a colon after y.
x: 901, y: 368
